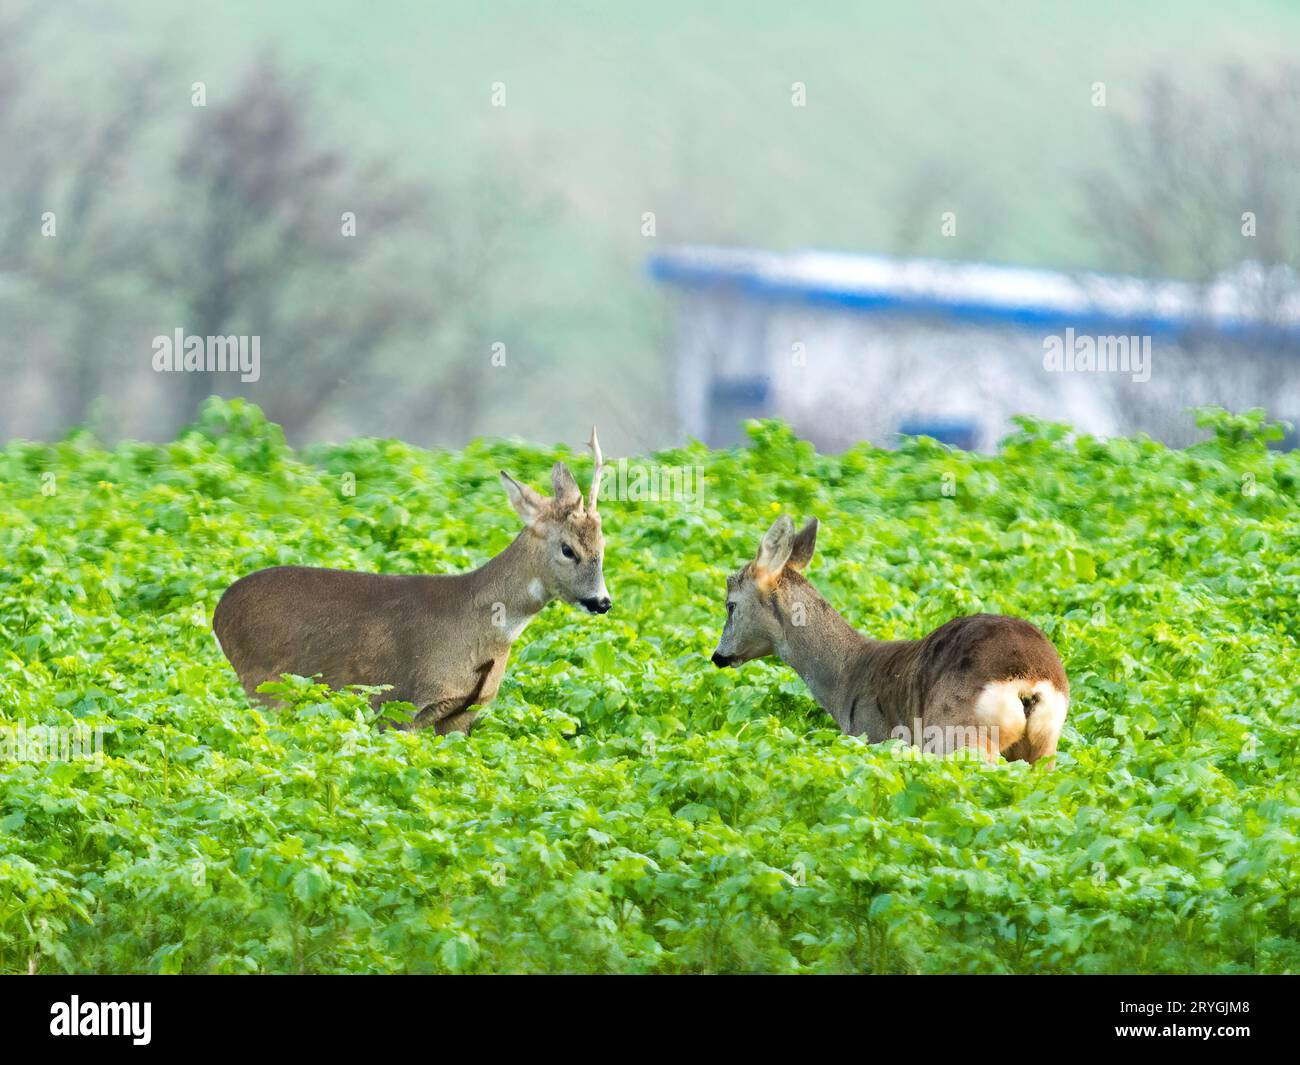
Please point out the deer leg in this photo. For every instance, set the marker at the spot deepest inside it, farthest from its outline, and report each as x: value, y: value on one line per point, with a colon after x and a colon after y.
x: 432, y: 713
x: 960, y: 727
x: 446, y: 715
x: 452, y: 713
x: 459, y: 717
x: 460, y: 722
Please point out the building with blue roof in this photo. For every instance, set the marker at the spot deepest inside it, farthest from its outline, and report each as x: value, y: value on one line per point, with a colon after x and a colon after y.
x: 863, y: 347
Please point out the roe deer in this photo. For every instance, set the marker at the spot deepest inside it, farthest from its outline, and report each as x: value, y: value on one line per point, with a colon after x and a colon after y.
x: 440, y: 641
x: 987, y: 681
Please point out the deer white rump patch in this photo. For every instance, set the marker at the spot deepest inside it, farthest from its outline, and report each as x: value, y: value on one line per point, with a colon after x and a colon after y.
x: 1000, y: 705
x: 1048, y: 717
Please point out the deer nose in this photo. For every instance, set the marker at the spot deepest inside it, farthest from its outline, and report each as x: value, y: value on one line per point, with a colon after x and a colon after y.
x: 721, y: 661
x: 598, y: 606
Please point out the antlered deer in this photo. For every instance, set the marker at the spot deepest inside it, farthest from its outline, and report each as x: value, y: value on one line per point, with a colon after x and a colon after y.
x: 986, y: 681
x: 441, y: 642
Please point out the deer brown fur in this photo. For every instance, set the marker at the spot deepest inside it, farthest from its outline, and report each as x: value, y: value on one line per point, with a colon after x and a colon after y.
x: 986, y: 681
x: 440, y: 642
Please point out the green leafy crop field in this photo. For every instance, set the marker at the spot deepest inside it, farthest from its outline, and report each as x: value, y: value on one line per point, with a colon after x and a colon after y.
x: 624, y: 806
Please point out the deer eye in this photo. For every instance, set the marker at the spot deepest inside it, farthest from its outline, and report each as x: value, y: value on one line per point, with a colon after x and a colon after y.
x: 567, y: 551
x: 731, y: 608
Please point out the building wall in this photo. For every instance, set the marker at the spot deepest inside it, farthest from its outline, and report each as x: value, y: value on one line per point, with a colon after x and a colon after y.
x: 858, y: 377
x: 840, y: 376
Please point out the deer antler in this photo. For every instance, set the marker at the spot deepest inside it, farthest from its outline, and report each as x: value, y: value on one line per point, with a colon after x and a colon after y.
x: 594, y: 444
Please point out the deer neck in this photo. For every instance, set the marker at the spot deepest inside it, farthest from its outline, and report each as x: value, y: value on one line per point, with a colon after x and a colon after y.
x: 818, y: 644
x: 510, y: 587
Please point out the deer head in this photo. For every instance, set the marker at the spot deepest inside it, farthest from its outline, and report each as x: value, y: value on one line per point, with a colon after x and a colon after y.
x: 754, y: 617
x: 567, y: 531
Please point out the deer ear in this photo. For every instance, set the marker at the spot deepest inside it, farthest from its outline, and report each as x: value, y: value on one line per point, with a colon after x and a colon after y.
x: 528, y: 504
x: 564, y: 487
x: 774, y: 550
x: 805, y: 541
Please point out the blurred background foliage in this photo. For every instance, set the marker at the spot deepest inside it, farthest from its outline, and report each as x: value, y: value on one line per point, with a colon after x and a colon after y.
x: 522, y: 225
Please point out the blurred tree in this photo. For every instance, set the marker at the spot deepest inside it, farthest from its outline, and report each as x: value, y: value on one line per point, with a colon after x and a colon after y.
x: 1201, y: 186
x: 370, y: 294
x: 65, y: 248
x: 262, y: 246
x: 1187, y: 166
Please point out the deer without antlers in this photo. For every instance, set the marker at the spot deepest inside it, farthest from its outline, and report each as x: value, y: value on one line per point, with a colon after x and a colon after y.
x: 987, y: 681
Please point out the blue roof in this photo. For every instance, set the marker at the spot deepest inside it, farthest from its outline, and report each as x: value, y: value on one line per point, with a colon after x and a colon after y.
x: 978, y: 292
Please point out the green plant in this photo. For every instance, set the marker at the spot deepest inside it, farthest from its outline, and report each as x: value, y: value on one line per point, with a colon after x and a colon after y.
x: 624, y: 806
